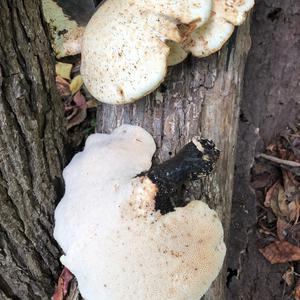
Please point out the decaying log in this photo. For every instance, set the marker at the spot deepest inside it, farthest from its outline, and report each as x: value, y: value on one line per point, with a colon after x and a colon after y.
x: 199, y: 97
x: 32, y: 138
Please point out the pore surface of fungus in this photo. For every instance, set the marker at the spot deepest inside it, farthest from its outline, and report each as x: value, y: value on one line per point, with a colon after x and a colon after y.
x: 213, y: 35
x: 116, y: 241
x: 124, y: 50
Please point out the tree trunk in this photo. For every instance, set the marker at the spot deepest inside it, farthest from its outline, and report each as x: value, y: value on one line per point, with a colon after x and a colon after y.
x: 200, y: 96
x: 32, y: 138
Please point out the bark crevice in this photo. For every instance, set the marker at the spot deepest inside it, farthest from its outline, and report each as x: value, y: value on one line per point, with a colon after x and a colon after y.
x: 32, y: 141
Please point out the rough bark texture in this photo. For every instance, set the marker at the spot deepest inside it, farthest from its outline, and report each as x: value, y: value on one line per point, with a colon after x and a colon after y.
x: 200, y: 96
x: 269, y: 104
x: 31, y: 153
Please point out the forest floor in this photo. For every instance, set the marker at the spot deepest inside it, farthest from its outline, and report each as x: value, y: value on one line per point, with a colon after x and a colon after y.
x: 269, y: 118
x: 275, y: 213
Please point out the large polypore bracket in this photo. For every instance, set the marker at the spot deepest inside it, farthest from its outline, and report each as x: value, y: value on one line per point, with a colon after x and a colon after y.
x: 128, y: 44
x: 121, y: 237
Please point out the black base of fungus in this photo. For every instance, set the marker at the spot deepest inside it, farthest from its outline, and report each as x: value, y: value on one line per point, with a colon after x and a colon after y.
x: 195, y: 160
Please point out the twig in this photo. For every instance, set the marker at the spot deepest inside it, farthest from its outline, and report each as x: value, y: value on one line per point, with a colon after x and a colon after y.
x: 280, y: 161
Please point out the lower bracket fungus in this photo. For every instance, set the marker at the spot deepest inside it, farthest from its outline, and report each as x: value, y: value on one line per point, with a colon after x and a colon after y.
x: 120, y: 234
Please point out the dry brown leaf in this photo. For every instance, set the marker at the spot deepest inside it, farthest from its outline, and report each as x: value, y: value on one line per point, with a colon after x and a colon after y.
x: 292, y: 192
x: 297, y: 291
x: 293, y: 234
x: 282, y: 225
x: 288, y: 276
x: 282, y: 153
x: 290, y: 183
x: 73, y: 111
x: 282, y: 201
x: 271, y: 194
x: 276, y: 199
x: 280, y: 252
x: 271, y: 199
x: 294, y: 210
x: 78, y: 118
x: 92, y: 103
x: 263, y: 176
x: 272, y: 148
x: 63, y: 285
x: 62, y: 86
x: 80, y: 100
x: 296, y: 147
x: 76, y: 110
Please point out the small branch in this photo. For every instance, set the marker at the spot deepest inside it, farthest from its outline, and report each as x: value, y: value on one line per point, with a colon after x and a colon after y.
x: 288, y: 163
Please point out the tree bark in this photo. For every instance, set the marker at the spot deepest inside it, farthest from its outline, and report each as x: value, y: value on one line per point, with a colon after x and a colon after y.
x: 199, y: 97
x: 32, y: 138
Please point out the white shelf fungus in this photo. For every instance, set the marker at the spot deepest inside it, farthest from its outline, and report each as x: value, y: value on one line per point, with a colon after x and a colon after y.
x: 214, y: 34
x: 116, y: 243
x: 128, y: 44
x: 124, y: 51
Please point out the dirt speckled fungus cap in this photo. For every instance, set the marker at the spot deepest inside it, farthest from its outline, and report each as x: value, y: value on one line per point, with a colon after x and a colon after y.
x: 213, y: 35
x: 124, y: 50
x: 116, y: 243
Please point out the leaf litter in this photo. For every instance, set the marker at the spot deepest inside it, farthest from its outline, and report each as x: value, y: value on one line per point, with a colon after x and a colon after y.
x: 276, y: 180
x: 79, y: 105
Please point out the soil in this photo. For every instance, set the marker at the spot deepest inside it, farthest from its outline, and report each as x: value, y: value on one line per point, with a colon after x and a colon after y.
x: 269, y: 105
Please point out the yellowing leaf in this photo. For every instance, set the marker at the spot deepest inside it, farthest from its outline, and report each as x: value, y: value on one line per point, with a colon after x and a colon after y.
x: 63, y: 70
x: 76, y: 84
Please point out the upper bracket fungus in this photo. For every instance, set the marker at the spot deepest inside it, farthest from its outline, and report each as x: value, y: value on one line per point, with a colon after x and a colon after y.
x: 121, y: 237
x: 124, y: 50
x: 128, y: 44
x: 214, y: 34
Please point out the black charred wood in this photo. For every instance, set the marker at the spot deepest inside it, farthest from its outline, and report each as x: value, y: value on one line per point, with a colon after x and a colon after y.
x: 195, y: 160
